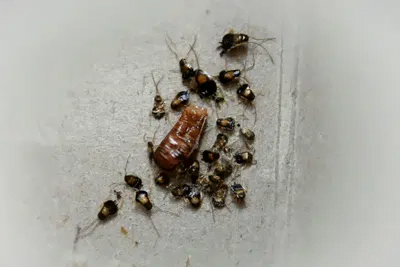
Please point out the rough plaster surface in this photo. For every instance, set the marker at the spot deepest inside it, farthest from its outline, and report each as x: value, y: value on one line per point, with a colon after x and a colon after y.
x: 75, y: 107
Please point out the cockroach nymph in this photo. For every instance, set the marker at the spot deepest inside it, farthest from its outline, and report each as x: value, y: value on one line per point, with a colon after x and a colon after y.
x: 210, y: 156
x: 215, y: 178
x: 204, y: 183
x: 248, y: 134
x: 143, y: 198
x: 150, y: 150
x: 244, y: 158
x: 220, y: 142
x: 131, y: 180
x: 195, y: 197
x: 181, y: 99
x: 223, y: 170
x: 219, y: 196
x: 181, y: 191
x: 238, y: 191
x: 233, y: 40
x: 227, y: 124
x: 183, y: 138
x: 194, y: 171
x: 207, y: 87
x: 245, y: 92
x: 109, y: 209
x: 185, y: 67
x: 162, y: 179
x: 158, y: 110
x: 229, y: 76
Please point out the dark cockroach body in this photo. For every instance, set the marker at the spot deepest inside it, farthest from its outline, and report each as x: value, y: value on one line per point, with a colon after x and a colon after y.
x: 204, y: 183
x: 248, y: 134
x: 143, y: 198
x: 238, y: 191
x: 220, y: 142
x: 210, y: 156
x: 187, y: 70
x: 162, y: 179
x: 109, y: 208
x: 181, y: 190
x: 245, y: 92
x: 243, y: 158
x: 227, y: 124
x: 194, y: 171
x: 158, y: 110
x: 133, y: 181
x: 183, y: 138
x: 232, y: 40
x: 207, y: 87
x: 215, y: 178
x: 150, y: 150
x: 223, y: 170
x: 181, y: 99
x: 228, y: 76
x: 219, y: 196
x: 195, y: 197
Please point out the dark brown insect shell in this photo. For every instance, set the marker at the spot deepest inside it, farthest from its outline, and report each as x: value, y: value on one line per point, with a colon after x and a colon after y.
x: 162, y: 179
x: 245, y: 92
x: 232, y: 40
x: 229, y: 76
x: 109, y: 208
x: 182, y: 139
x: 142, y: 197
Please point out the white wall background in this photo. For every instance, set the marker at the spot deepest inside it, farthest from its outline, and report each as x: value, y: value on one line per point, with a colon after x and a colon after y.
x: 324, y: 192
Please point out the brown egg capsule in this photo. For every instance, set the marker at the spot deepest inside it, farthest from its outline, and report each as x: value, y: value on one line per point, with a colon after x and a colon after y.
x: 183, y: 138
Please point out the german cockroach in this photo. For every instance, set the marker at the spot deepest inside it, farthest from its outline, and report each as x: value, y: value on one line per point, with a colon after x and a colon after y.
x: 248, y: 135
x: 181, y: 99
x: 158, y: 110
x: 233, y: 40
x: 229, y: 76
x: 245, y: 92
x: 181, y: 191
x: 204, y: 183
x: 219, y: 195
x: 223, y: 170
x: 131, y: 180
x: 210, y: 156
x: 227, y: 124
x: 215, y: 178
x: 244, y: 158
x: 207, y: 87
x: 142, y: 197
x: 183, y: 138
x: 195, y: 197
x: 162, y: 179
x: 238, y: 191
x: 194, y: 171
x: 220, y: 142
x: 185, y: 67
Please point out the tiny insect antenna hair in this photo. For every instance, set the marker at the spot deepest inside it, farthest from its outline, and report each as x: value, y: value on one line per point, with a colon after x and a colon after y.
x: 195, y: 55
x: 170, y: 43
x: 265, y: 49
x: 156, y: 83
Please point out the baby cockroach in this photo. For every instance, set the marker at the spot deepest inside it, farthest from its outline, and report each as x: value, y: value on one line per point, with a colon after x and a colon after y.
x: 204, y: 183
x: 220, y: 142
x: 233, y: 40
x: 131, y: 180
x: 248, y: 134
x: 162, y: 179
x: 185, y: 67
x: 238, y: 191
x: 195, y: 197
x: 207, y: 87
x: 210, y: 156
x: 215, y: 178
x: 229, y: 76
x: 194, y: 171
x: 158, y: 110
x: 181, y: 99
x: 219, y: 195
x: 244, y: 158
x: 227, y: 124
x: 245, y: 92
x: 183, y: 138
x: 143, y: 198
x: 223, y: 170
x: 108, y: 209
x: 181, y: 190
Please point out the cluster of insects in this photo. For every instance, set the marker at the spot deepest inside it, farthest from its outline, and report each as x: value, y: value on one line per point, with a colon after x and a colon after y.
x: 180, y: 167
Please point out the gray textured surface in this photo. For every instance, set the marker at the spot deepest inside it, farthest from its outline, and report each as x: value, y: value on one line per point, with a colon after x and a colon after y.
x: 74, y: 108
